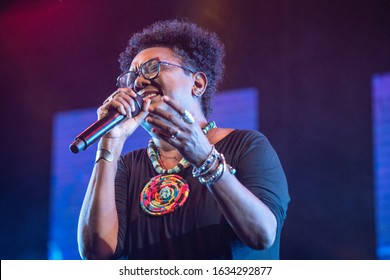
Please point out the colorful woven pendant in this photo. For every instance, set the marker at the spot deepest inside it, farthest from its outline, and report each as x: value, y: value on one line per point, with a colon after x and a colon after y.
x: 163, y: 194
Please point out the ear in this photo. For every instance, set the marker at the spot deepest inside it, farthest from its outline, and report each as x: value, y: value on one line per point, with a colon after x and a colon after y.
x: 200, y: 84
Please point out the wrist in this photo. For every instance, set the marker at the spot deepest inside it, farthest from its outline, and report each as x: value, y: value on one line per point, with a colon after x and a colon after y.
x: 207, y: 164
x: 201, y: 157
x: 103, y: 154
x: 112, y: 145
x: 212, y: 169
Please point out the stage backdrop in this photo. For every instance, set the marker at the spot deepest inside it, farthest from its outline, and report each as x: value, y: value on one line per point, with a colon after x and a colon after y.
x: 381, y: 146
x: 70, y: 172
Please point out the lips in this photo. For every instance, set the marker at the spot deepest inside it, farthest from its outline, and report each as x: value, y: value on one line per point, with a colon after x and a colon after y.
x: 149, y: 94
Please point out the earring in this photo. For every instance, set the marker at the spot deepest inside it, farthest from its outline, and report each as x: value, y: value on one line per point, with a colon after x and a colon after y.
x: 198, y: 93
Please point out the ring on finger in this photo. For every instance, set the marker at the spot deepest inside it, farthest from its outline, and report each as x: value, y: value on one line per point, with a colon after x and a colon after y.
x: 177, y: 133
x: 104, y: 112
x: 187, y: 117
x: 112, y: 96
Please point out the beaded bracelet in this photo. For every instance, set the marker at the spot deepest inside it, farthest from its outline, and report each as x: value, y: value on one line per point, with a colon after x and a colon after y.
x: 217, y: 174
x: 207, y: 164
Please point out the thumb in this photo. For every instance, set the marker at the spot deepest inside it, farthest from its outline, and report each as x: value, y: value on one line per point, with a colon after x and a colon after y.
x: 144, y: 110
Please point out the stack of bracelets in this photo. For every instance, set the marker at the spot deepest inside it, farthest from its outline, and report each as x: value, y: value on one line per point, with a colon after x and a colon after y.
x: 212, y: 168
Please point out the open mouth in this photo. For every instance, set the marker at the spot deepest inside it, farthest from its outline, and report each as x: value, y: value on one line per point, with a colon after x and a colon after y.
x: 149, y: 95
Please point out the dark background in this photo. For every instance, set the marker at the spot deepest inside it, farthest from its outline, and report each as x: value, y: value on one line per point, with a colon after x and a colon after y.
x: 312, y: 62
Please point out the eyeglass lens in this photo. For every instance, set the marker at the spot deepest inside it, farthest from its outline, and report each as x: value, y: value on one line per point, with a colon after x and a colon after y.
x: 149, y: 70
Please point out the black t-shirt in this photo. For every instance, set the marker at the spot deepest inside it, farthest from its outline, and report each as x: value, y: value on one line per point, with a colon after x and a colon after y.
x: 198, y: 230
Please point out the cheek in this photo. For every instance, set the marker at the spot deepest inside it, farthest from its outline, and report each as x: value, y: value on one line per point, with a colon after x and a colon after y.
x: 176, y: 87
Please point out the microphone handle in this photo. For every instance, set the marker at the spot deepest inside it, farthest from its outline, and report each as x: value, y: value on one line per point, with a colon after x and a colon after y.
x: 95, y: 131
x: 101, y: 127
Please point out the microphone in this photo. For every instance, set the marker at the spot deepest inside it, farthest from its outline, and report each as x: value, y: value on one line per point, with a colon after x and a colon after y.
x: 91, y: 134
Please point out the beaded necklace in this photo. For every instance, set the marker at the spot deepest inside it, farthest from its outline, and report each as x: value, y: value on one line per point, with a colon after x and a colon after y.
x: 166, y: 191
x: 155, y: 157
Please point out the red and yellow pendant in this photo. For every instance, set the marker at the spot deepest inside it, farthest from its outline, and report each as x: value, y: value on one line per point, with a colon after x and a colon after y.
x: 163, y: 194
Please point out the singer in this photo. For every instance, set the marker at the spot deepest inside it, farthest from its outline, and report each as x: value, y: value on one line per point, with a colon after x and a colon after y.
x: 196, y: 191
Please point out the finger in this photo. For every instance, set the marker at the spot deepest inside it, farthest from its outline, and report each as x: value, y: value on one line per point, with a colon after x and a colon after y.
x: 127, y: 104
x: 116, y: 103
x: 101, y: 112
x: 128, y: 91
x: 162, y: 125
x: 175, y: 105
x: 184, y: 114
x: 144, y: 111
x: 130, y: 96
x: 145, y: 105
x: 127, y: 101
x: 164, y: 135
x: 172, y: 139
x: 171, y: 134
x: 170, y: 116
x: 119, y: 92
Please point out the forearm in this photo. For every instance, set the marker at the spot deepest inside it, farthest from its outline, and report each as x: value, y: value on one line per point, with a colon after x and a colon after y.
x: 250, y: 218
x: 98, y: 221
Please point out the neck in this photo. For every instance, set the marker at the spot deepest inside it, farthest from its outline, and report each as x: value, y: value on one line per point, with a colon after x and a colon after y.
x: 212, y: 136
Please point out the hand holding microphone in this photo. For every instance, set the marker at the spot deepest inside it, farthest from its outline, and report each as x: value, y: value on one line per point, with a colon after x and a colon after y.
x: 122, y: 104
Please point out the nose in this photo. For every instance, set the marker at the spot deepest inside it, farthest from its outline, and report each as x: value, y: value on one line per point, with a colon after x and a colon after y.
x: 139, y: 83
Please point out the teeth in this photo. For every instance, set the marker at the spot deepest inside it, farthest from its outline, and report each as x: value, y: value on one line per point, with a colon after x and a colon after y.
x: 149, y: 96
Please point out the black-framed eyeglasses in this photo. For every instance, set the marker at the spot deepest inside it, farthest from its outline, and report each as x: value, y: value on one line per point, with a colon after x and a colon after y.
x: 149, y: 70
